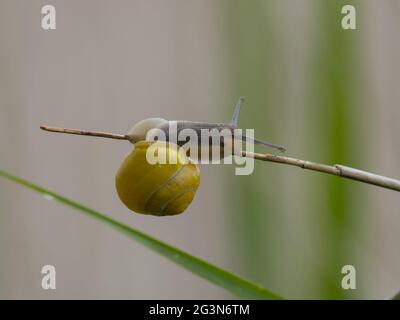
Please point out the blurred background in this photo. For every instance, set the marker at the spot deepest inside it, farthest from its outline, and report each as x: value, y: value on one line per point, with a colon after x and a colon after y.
x: 327, y: 94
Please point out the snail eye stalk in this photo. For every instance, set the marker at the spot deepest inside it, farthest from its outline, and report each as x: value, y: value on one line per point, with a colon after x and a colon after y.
x: 236, y: 111
x: 234, y: 124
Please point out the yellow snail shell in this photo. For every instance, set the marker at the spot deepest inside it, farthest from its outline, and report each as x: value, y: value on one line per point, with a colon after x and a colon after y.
x: 157, y: 189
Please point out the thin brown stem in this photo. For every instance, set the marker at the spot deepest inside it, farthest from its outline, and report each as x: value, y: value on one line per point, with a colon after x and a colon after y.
x: 337, y: 169
x: 85, y: 133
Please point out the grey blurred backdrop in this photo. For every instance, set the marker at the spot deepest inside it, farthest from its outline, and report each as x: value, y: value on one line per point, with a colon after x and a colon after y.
x: 327, y: 94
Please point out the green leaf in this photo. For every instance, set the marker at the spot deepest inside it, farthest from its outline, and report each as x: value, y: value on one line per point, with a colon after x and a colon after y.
x: 231, y: 282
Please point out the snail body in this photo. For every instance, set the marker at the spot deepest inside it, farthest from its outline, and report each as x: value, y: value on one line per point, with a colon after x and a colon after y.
x: 150, y: 128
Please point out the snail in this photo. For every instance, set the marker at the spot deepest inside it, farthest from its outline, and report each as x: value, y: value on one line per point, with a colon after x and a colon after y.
x: 167, y: 188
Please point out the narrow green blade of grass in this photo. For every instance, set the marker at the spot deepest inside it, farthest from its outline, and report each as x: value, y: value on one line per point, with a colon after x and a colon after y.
x: 396, y: 296
x: 231, y: 282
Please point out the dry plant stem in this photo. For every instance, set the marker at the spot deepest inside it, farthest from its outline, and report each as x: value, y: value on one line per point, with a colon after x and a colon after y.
x: 337, y: 169
x: 85, y: 133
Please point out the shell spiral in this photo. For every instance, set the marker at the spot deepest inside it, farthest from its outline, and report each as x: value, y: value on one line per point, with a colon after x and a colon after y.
x: 157, y: 189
